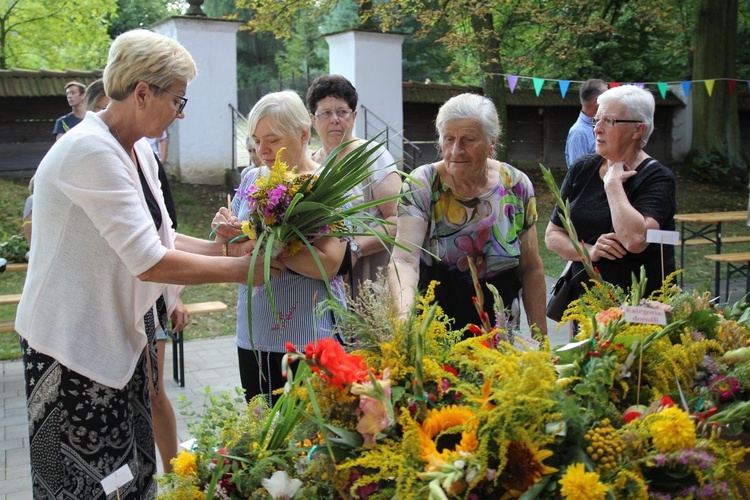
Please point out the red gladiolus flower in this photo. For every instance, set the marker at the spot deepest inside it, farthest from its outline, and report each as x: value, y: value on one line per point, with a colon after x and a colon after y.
x: 450, y: 369
x: 290, y: 347
x: 338, y: 368
x: 475, y: 329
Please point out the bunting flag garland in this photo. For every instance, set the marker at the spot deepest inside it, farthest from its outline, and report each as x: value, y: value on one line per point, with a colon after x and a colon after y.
x: 512, y: 80
x: 564, y: 84
x: 709, y: 87
x: 538, y: 83
x: 663, y: 87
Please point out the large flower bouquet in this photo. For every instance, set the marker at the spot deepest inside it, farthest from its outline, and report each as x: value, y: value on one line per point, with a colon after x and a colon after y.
x: 289, y: 211
x: 416, y: 409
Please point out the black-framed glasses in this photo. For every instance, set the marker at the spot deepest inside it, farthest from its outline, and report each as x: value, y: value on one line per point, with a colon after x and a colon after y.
x: 182, y: 104
x: 343, y: 114
x: 608, y: 121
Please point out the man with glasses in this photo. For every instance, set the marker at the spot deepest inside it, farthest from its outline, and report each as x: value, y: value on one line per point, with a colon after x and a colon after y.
x: 581, y: 135
x: 74, y: 92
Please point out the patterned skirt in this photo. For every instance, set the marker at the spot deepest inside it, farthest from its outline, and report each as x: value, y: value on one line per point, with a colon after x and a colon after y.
x: 82, y: 431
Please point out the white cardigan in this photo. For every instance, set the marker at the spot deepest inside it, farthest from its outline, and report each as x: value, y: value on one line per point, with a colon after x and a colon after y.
x: 82, y: 302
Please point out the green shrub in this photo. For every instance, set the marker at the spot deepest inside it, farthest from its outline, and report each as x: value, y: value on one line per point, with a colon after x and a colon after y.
x: 14, y: 248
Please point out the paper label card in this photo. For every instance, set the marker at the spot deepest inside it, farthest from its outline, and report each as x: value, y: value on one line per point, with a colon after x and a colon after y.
x: 645, y: 315
x: 118, y: 478
x: 663, y: 237
x: 525, y: 343
x: 189, y: 444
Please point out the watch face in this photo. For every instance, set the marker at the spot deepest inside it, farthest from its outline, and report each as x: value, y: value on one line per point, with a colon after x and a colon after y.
x: 355, y: 249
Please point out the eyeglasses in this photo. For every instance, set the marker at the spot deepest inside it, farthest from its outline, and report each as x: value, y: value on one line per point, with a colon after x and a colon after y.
x: 608, y: 121
x: 182, y: 104
x: 343, y: 114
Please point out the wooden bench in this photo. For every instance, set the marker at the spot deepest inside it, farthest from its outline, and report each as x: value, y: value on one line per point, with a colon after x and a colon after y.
x: 24, y: 266
x: 725, y: 240
x: 738, y: 263
x: 178, y: 354
x: 8, y: 325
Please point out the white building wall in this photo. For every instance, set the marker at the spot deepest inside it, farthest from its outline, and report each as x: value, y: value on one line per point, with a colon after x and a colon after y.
x: 372, y: 62
x: 200, y: 145
x: 682, y: 124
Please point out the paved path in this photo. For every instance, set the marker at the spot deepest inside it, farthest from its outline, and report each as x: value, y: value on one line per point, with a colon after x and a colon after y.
x: 208, y: 362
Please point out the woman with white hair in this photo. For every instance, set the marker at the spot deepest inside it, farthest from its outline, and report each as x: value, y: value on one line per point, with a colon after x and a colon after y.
x: 103, y: 250
x: 617, y: 194
x: 469, y: 206
x: 280, y: 120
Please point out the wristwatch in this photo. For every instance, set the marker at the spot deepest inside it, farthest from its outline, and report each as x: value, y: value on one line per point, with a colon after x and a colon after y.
x: 355, y: 248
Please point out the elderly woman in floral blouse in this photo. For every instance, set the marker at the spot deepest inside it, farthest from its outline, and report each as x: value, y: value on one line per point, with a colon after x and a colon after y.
x: 464, y: 207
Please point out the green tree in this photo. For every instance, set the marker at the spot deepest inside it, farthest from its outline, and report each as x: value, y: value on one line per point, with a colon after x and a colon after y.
x: 255, y: 51
x: 716, y: 149
x: 142, y: 14
x: 55, y: 35
x: 305, y: 51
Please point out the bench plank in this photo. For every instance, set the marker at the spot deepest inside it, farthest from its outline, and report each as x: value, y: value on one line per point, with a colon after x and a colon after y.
x: 24, y: 266
x: 6, y: 300
x: 199, y: 308
x: 734, y: 258
x: 7, y: 325
x: 724, y: 241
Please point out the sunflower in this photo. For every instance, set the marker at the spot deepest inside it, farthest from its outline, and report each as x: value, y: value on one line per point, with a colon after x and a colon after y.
x: 524, y: 468
x: 581, y: 485
x: 447, y: 432
x: 671, y: 430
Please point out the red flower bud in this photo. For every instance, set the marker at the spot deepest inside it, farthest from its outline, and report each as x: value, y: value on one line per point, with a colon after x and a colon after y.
x: 475, y: 329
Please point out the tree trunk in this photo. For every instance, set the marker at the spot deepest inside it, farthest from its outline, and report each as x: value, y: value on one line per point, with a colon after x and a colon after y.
x: 493, y: 83
x: 716, y: 136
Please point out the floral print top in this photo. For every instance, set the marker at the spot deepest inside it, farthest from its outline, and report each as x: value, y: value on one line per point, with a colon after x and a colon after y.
x: 487, y: 227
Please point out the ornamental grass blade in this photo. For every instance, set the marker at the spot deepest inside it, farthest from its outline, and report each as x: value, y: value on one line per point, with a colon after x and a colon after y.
x: 250, y: 280
x: 564, y: 212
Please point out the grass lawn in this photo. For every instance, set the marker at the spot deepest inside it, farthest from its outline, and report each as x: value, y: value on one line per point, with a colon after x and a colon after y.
x: 197, y: 204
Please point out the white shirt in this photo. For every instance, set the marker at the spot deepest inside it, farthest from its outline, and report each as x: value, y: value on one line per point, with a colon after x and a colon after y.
x: 82, y: 302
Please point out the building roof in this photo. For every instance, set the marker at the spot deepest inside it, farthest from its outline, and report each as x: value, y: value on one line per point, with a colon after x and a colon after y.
x: 16, y: 82
x: 434, y: 93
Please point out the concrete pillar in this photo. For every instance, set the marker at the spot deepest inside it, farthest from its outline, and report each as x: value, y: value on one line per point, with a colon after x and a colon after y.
x: 372, y: 62
x: 200, y: 145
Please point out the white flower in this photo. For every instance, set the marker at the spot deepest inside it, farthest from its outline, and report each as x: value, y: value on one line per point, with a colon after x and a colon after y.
x: 281, y: 486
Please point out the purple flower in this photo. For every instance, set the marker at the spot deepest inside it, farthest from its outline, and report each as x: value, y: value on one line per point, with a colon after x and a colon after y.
x: 276, y: 193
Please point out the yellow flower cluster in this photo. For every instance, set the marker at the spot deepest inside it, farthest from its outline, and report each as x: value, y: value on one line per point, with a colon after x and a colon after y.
x: 605, y: 447
x: 185, y: 464
x: 671, y: 430
x: 578, y: 484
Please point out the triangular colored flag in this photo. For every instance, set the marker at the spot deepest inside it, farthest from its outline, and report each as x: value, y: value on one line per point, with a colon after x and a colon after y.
x: 731, y: 84
x: 709, y: 86
x: 686, y: 88
x: 538, y: 83
x: 564, y: 84
x: 614, y: 84
x: 663, y: 86
x: 512, y: 80
x: 640, y: 85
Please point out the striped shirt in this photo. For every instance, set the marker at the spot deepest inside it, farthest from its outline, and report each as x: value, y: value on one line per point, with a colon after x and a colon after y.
x: 297, y: 299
